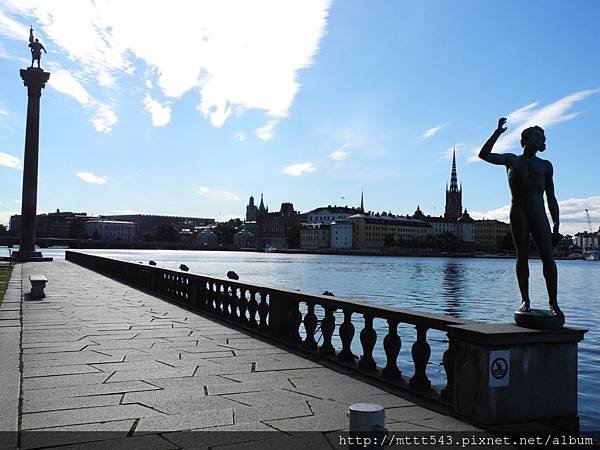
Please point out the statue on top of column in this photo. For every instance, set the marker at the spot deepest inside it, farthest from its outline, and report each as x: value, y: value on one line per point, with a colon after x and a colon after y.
x: 36, y: 49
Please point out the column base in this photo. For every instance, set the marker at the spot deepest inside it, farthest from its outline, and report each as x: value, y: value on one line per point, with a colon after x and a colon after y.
x: 30, y: 257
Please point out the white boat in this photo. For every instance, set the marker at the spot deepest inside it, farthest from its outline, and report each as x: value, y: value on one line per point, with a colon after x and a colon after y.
x: 592, y: 255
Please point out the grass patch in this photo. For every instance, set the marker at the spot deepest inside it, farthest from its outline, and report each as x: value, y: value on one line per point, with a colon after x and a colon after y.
x: 4, y: 277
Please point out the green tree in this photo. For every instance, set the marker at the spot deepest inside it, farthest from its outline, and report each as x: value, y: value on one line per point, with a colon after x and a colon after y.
x: 293, y: 237
x: 3, y: 230
x: 389, y: 240
x: 166, y: 233
x: 226, y: 230
x: 507, y: 244
x: 148, y: 237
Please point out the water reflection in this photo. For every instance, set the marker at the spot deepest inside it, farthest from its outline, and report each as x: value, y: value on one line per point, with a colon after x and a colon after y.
x: 453, y: 283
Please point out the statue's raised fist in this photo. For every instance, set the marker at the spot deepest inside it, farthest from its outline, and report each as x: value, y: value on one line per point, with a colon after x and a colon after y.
x: 501, y: 123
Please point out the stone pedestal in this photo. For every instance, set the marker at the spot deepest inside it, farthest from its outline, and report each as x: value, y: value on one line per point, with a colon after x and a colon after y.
x: 505, y: 374
x: 539, y: 319
x: 35, y: 80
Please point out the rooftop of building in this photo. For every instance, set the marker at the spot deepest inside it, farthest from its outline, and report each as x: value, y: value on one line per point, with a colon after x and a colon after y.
x: 118, y: 222
x: 335, y: 209
x: 378, y: 218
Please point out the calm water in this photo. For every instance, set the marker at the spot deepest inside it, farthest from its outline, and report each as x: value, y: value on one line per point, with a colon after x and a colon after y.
x: 477, y: 289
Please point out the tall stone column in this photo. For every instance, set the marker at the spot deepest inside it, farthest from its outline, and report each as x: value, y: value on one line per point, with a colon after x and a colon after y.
x: 35, y: 80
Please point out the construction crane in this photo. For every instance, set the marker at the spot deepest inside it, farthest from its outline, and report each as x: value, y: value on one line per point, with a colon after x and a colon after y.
x: 589, y: 221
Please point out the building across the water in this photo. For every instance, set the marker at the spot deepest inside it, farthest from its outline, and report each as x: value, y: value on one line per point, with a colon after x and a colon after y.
x: 110, y: 230
x: 279, y: 229
x: 147, y: 223
x: 341, y: 234
x: 490, y: 235
x: 369, y: 231
x: 59, y: 225
x: 586, y: 240
x: 315, y: 236
x: 453, y: 208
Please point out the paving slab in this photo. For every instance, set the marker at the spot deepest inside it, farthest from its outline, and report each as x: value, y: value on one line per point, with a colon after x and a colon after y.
x: 99, y: 356
x: 47, y: 419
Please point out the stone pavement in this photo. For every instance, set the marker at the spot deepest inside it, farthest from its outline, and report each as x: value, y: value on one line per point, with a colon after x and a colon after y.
x: 98, y: 355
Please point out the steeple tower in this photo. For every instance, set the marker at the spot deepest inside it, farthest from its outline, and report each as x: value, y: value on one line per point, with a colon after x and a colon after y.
x: 362, y: 203
x: 261, y: 207
x: 453, y: 178
x: 453, y: 193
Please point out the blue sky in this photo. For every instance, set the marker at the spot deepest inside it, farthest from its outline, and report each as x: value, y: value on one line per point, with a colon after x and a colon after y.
x: 189, y: 107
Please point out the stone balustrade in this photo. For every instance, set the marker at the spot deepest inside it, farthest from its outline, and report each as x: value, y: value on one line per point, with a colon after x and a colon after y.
x: 279, y: 314
x: 527, y: 392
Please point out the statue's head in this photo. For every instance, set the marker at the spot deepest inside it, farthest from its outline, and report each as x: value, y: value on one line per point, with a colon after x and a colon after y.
x: 37, y: 40
x: 533, y: 138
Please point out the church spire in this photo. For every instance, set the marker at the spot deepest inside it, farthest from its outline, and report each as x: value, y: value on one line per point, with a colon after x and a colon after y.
x: 262, y: 204
x: 362, y: 203
x: 453, y: 177
x: 453, y: 208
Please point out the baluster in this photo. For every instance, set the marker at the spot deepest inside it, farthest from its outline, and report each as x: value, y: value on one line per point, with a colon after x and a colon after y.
x: 263, y: 311
x: 252, y: 308
x: 225, y: 300
x: 310, y: 325
x: 243, y: 305
x: 420, y: 353
x: 217, y: 297
x: 202, y: 298
x: 392, y: 344
x: 233, y: 302
x: 448, y: 361
x: 368, y: 338
x: 295, y: 321
x: 327, y: 328
x: 209, y: 296
x: 346, y: 335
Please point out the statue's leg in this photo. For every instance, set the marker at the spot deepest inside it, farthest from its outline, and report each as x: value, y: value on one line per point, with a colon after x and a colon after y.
x: 519, y: 226
x: 543, y: 240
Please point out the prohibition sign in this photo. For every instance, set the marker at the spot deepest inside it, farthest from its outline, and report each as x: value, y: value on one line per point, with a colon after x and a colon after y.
x: 499, y: 368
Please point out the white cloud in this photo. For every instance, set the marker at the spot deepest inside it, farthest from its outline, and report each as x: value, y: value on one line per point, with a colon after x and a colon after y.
x: 572, y: 214
x: 299, y: 169
x: 91, y: 178
x: 161, y: 114
x: 104, y: 119
x: 531, y: 115
x: 5, y: 216
x: 266, y: 132
x: 339, y: 154
x: 240, y: 136
x: 371, y: 143
x: 217, y: 193
x: 10, y: 161
x: 431, y: 131
x: 3, y: 53
x: 63, y: 81
x: 240, y: 55
x: 12, y: 29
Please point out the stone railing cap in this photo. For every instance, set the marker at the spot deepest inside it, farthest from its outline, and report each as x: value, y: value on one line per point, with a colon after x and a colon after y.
x: 511, y: 334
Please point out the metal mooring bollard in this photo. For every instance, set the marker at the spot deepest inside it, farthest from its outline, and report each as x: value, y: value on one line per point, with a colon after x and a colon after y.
x: 366, y: 426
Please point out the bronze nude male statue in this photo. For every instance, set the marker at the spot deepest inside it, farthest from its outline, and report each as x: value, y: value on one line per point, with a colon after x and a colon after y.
x: 36, y: 49
x: 529, y: 177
